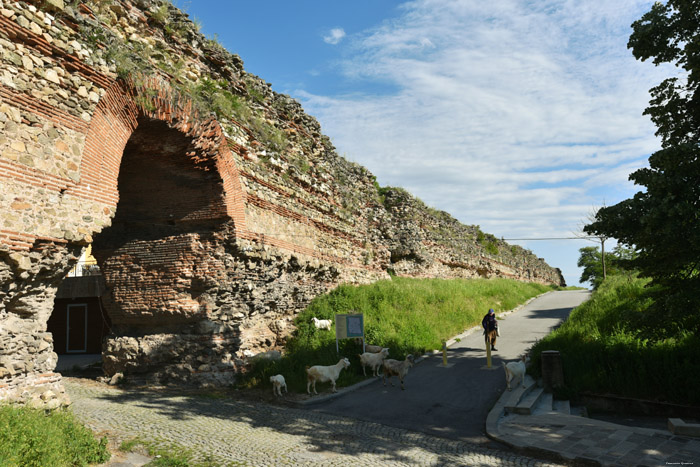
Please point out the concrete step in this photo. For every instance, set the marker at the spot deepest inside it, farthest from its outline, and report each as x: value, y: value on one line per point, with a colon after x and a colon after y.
x: 544, y: 405
x: 678, y: 427
x: 517, y: 394
x: 528, y: 403
x: 562, y: 407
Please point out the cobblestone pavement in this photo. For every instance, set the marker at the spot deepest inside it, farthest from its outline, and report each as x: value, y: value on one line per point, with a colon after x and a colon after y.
x: 234, y: 432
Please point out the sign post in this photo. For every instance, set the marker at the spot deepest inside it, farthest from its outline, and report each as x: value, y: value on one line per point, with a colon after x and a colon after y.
x: 348, y: 326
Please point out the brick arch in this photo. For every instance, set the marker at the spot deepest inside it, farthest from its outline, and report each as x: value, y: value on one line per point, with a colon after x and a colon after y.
x: 115, y: 119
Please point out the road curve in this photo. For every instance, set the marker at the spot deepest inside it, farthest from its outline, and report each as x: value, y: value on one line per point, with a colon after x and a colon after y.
x: 454, y: 401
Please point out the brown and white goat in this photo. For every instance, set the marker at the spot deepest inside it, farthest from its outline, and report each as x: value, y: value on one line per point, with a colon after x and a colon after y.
x: 396, y: 368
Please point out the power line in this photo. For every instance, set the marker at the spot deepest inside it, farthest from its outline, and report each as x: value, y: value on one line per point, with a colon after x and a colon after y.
x: 549, y: 238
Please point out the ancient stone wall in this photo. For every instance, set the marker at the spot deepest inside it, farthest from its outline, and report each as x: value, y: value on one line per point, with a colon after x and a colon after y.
x: 424, y: 242
x: 216, y: 208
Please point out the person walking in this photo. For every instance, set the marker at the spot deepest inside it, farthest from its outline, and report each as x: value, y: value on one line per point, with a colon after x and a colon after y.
x: 490, y: 326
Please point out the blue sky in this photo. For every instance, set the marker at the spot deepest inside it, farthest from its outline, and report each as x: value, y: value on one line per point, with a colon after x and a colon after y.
x: 519, y: 116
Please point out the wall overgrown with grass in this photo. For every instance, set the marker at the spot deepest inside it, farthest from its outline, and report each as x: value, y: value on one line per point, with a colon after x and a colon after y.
x: 32, y: 437
x: 614, y: 344
x: 409, y: 316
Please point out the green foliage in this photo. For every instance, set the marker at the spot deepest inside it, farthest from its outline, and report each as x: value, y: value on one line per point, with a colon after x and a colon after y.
x: 126, y: 62
x: 410, y: 316
x: 253, y: 92
x: 99, y: 5
x: 172, y: 456
x: 615, y: 343
x: 492, y: 248
x: 662, y: 222
x: 161, y: 14
x: 212, y: 95
x: 32, y: 437
x: 591, y: 261
x: 275, y: 138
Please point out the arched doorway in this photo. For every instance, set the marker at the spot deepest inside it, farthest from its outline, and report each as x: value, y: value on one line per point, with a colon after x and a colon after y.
x: 178, y: 192
x: 170, y: 200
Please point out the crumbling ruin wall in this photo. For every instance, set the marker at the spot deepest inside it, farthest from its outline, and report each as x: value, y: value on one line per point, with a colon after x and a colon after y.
x: 424, y: 242
x: 216, y: 208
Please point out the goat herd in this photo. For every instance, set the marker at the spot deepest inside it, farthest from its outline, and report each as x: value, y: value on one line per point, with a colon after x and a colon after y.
x: 374, y: 357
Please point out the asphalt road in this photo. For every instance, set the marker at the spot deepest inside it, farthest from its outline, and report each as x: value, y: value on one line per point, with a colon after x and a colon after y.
x: 454, y: 401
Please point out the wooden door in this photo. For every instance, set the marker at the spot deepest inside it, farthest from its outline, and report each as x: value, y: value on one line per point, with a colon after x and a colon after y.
x: 76, y: 329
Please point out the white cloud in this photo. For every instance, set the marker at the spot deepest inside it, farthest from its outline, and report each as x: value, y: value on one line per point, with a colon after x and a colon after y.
x: 517, y: 116
x: 334, y: 36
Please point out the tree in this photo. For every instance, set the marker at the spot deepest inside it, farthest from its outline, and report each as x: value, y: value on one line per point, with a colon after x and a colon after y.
x: 663, y: 221
x: 590, y: 261
x: 600, y: 238
x: 594, y: 271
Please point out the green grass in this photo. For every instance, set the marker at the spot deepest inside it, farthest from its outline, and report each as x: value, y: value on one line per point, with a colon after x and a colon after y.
x: 615, y: 344
x: 172, y: 456
x: 32, y: 437
x: 409, y: 316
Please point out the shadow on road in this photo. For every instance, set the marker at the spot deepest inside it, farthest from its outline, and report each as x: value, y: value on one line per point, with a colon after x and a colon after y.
x: 329, y: 435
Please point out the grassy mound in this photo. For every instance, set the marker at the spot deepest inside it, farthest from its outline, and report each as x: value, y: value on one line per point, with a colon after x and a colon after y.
x: 615, y: 344
x: 409, y: 316
x: 32, y: 437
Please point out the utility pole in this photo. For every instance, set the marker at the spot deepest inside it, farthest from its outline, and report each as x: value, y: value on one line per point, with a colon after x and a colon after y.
x: 602, y: 254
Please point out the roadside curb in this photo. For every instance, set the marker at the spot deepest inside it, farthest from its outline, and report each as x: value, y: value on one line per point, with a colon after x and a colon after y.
x: 334, y: 395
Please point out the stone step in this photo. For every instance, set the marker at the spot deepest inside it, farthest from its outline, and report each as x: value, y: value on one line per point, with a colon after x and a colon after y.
x: 517, y: 394
x: 544, y: 405
x: 678, y: 427
x: 528, y: 403
x: 562, y: 407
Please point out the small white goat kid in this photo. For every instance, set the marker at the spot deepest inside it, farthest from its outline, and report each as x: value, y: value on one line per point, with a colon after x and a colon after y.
x: 397, y: 368
x: 515, y: 370
x: 322, y: 323
x: 278, y: 383
x: 324, y: 374
x: 373, y: 360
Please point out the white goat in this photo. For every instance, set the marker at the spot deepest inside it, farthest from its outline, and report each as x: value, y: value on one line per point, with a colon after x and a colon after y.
x: 515, y: 370
x: 373, y: 360
x: 397, y: 368
x: 278, y: 383
x: 324, y: 374
x: 322, y: 323
x: 373, y: 348
x: 368, y: 347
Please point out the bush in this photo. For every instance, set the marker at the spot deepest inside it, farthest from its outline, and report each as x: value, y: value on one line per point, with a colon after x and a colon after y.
x: 615, y: 343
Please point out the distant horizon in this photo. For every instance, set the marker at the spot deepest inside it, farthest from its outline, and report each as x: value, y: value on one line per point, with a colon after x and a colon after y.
x: 521, y: 118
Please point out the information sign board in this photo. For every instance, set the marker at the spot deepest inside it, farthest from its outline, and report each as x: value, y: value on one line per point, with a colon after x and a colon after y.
x: 348, y: 326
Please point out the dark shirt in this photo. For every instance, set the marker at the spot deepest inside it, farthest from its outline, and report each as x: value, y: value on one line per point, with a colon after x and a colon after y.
x: 489, y: 322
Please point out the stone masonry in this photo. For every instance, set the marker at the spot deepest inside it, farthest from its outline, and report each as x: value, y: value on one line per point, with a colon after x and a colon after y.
x: 216, y: 208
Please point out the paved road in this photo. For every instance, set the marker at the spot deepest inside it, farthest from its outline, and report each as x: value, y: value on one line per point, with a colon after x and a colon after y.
x: 232, y: 432
x: 372, y: 427
x: 453, y: 402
